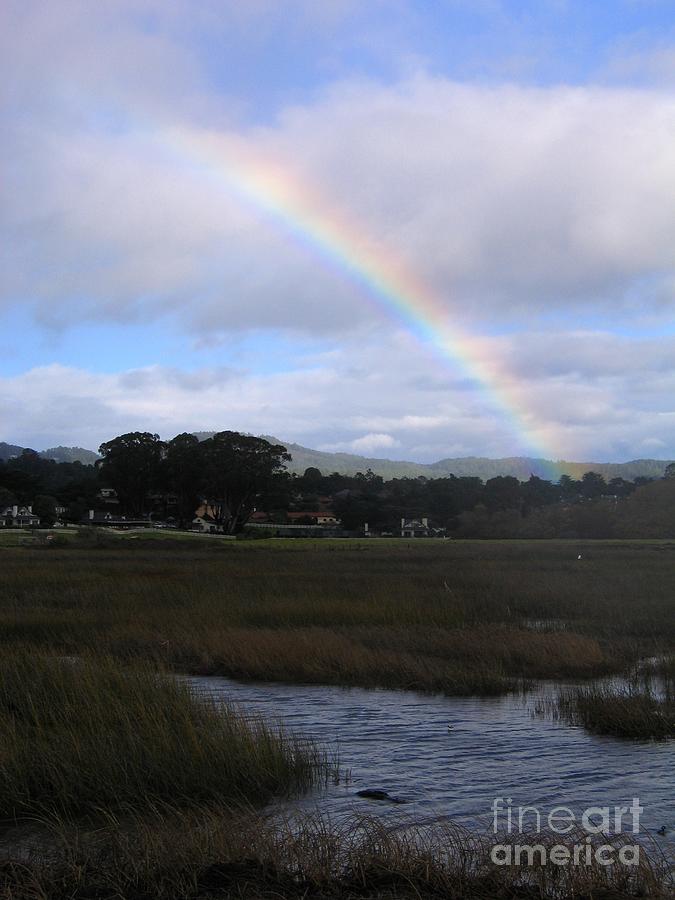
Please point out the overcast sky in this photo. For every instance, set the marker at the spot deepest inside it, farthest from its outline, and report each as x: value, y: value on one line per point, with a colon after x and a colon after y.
x: 516, y: 158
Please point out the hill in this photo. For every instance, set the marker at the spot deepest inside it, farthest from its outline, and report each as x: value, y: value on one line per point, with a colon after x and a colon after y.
x: 7, y: 451
x: 520, y: 467
x: 70, y: 454
x: 59, y: 454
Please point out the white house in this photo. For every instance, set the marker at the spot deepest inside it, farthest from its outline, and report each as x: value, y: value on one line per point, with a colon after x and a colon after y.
x: 415, y: 527
x: 18, y: 517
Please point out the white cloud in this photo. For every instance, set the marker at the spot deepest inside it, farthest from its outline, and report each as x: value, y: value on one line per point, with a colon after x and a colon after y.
x: 604, y: 414
x: 511, y: 202
x: 518, y: 207
x: 367, y: 444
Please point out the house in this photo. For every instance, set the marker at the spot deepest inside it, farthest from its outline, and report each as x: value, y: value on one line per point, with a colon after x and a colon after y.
x: 415, y: 527
x: 18, y: 517
x: 322, y: 517
x: 204, y: 523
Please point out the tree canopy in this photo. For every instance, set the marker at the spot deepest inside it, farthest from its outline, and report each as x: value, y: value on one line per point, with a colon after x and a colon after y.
x: 237, y: 468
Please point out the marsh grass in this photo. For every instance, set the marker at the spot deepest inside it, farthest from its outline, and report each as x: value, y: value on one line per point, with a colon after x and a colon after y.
x: 448, y: 616
x: 199, y: 853
x: 621, y: 712
x: 77, y: 736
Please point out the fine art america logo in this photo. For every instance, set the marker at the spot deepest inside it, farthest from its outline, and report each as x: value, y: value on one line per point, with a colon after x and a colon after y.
x: 521, y: 830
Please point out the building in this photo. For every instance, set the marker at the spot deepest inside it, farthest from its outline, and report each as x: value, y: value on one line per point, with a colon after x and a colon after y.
x: 18, y: 517
x: 323, y: 517
x: 204, y: 523
x: 411, y: 528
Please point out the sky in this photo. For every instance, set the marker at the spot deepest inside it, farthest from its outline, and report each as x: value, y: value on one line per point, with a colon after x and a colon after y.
x: 397, y: 228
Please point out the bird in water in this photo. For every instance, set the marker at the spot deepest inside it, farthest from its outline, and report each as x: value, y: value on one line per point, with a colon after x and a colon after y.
x: 661, y: 830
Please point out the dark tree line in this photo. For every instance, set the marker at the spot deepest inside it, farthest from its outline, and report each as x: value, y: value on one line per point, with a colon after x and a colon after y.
x: 46, y: 484
x: 231, y: 474
x: 447, y: 502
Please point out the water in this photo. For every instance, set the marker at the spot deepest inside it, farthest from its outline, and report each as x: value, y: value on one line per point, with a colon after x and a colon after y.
x: 400, y: 742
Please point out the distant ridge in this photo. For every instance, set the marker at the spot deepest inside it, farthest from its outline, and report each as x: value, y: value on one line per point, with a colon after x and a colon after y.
x: 520, y: 467
x: 70, y: 454
x: 60, y: 454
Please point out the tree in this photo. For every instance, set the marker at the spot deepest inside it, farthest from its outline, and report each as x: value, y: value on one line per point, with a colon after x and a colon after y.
x: 183, y: 466
x: 503, y: 492
x: 312, y: 477
x: 7, y: 498
x: 237, y: 469
x: 619, y: 487
x: 45, y: 508
x: 569, y: 488
x: 593, y: 486
x: 536, y: 493
x: 131, y: 465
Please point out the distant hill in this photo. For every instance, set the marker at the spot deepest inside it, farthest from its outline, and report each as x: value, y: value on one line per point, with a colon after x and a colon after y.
x: 60, y: 454
x: 7, y: 451
x: 70, y: 454
x: 521, y: 467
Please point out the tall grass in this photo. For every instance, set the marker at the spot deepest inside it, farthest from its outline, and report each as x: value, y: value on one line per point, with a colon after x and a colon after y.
x: 173, y: 855
x: 81, y: 736
x: 441, y: 616
x: 625, y: 713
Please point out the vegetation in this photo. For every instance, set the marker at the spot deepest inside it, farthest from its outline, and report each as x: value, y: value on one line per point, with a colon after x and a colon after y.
x: 458, y: 617
x: 173, y: 854
x: 101, y: 737
x: 619, y: 712
x: 137, y: 788
x: 229, y: 475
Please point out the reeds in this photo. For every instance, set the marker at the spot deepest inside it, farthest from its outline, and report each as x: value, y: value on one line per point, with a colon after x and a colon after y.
x: 199, y: 853
x: 82, y: 735
x: 436, y: 616
x: 621, y: 712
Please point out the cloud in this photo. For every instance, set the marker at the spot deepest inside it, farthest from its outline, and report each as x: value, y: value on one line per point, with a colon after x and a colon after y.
x: 367, y: 444
x: 602, y: 414
x: 511, y: 202
x: 541, y: 219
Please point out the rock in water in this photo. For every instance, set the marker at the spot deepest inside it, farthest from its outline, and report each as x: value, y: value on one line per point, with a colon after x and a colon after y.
x: 375, y: 794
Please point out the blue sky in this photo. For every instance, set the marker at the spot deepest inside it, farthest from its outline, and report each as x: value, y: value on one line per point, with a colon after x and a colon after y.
x: 518, y: 158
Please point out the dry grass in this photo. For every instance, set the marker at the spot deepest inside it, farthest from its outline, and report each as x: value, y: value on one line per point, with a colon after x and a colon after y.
x: 459, y: 617
x: 169, y: 854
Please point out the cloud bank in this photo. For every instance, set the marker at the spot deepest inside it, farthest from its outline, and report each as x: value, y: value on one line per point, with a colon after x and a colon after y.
x: 542, y: 217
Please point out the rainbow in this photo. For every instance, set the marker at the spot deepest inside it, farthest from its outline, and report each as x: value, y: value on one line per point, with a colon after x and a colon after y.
x: 297, y: 208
